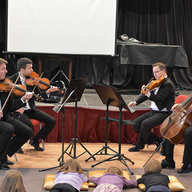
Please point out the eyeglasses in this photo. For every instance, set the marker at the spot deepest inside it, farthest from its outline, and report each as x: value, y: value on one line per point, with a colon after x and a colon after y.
x: 155, y: 72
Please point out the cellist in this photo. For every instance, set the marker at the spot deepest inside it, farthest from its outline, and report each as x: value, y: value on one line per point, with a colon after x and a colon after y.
x: 162, y: 99
x: 168, y: 151
x: 9, y: 125
x: 25, y: 68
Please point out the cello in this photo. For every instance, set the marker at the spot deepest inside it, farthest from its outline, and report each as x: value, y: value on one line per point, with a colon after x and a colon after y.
x: 174, y: 125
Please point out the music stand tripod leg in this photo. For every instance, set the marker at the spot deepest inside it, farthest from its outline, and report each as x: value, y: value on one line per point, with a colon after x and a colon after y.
x: 75, y: 139
x: 119, y: 156
x: 104, y: 148
x: 124, y: 163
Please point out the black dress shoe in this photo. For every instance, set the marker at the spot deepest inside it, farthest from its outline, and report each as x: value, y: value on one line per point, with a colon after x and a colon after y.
x: 134, y: 149
x: 4, y: 166
x: 36, y: 145
x: 20, y: 151
x: 167, y: 164
x: 9, y: 162
x: 185, y: 169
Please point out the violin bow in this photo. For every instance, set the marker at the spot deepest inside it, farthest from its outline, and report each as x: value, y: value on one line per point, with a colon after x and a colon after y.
x: 37, y: 82
x: 9, y: 94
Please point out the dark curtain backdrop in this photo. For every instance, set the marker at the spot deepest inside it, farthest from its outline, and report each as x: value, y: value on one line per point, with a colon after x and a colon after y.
x: 153, y: 21
x: 167, y: 22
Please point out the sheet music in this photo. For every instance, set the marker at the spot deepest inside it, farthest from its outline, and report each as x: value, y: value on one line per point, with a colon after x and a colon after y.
x: 58, y: 107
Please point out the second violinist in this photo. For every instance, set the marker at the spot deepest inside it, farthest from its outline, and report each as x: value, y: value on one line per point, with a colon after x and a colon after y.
x: 162, y: 98
x: 25, y: 68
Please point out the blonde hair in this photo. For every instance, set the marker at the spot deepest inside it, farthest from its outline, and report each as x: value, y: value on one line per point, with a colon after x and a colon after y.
x: 3, y: 61
x: 161, y: 66
x: 71, y: 165
x: 153, y: 166
x: 13, y: 182
x: 114, y: 170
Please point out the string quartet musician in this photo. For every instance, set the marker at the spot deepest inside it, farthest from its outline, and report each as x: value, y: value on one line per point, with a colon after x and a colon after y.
x: 162, y: 99
x: 9, y: 144
x: 30, y: 111
x: 168, y: 151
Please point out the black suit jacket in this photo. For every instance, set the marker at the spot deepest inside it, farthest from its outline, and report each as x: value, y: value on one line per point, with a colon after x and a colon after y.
x: 30, y: 89
x: 165, y: 96
x: 11, y: 105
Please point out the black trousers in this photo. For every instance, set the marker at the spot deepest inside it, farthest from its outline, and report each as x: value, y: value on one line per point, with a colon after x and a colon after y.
x: 145, y: 123
x: 63, y: 187
x: 9, y: 145
x: 168, y: 147
x: 49, y: 122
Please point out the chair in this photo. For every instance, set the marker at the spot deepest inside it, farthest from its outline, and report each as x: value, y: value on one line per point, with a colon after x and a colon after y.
x: 180, y: 99
x: 15, y: 157
x: 36, y: 122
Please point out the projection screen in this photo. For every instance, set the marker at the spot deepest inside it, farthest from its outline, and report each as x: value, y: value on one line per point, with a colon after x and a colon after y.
x: 75, y: 27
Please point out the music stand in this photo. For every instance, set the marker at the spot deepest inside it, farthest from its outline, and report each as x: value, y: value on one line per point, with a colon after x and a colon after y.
x: 110, y: 96
x: 57, y: 108
x: 78, y: 86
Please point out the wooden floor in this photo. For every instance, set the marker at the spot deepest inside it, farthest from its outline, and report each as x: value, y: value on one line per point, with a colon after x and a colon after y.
x: 49, y: 157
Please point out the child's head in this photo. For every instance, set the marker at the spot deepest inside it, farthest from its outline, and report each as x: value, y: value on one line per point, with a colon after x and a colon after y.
x: 153, y: 166
x: 114, y: 170
x: 12, y: 182
x: 71, y: 165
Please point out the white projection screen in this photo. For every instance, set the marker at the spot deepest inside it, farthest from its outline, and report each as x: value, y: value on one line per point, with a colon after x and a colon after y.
x: 74, y: 27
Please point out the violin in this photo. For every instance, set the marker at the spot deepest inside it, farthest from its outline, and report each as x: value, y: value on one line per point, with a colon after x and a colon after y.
x: 19, y: 90
x: 42, y: 83
x: 174, y: 126
x: 153, y: 84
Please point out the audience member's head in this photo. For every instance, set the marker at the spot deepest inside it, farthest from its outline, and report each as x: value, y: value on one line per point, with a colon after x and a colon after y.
x: 71, y: 165
x: 114, y: 170
x: 153, y: 166
x: 13, y: 182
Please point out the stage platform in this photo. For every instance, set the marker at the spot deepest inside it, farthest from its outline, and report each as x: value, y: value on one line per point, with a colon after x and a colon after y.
x: 90, y: 126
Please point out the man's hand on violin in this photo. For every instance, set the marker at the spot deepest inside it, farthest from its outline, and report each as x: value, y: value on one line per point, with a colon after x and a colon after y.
x: 51, y: 89
x: 27, y: 96
x: 145, y: 91
x: 132, y: 104
x: 21, y: 110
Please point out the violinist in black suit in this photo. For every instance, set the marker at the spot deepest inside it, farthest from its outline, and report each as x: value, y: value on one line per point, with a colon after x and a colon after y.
x: 162, y: 99
x: 25, y: 68
x: 9, y: 125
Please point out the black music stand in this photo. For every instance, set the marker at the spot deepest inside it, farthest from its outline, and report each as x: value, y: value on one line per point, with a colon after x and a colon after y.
x: 78, y: 86
x: 57, y: 108
x: 110, y: 96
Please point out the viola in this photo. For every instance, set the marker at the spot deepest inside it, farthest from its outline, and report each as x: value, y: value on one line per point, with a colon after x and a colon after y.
x: 153, y: 84
x: 42, y: 83
x: 19, y: 90
x: 174, y: 126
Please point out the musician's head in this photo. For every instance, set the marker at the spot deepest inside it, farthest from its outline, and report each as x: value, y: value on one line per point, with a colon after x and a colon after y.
x: 3, y: 69
x: 153, y: 166
x: 25, y: 66
x: 159, y: 69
